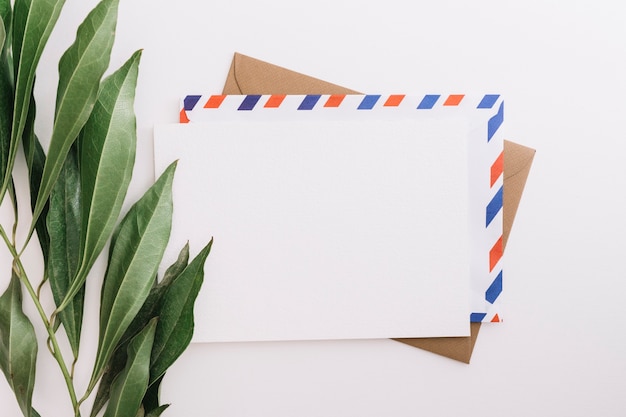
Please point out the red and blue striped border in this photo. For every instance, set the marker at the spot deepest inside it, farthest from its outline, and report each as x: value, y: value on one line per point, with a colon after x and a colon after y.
x: 312, y: 101
x: 493, y: 208
x: 488, y: 102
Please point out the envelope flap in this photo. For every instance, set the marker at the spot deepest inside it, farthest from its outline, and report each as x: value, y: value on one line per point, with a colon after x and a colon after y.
x: 457, y: 348
x: 517, y: 159
x: 252, y: 76
x: 517, y: 162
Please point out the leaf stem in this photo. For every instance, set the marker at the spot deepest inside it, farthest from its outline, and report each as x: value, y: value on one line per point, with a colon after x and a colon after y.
x: 43, y: 281
x: 13, y: 197
x: 73, y: 366
x: 56, y: 351
x: 89, y: 389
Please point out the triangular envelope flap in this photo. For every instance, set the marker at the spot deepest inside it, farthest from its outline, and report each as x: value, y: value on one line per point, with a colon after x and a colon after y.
x: 517, y: 162
x: 252, y: 76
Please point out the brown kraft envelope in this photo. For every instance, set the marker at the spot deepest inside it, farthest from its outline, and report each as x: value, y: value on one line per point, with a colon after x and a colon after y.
x: 252, y: 76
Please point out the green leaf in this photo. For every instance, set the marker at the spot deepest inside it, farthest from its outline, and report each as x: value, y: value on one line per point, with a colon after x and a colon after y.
x: 3, y: 33
x: 148, y: 311
x: 152, y: 306
x: 111, y: 371
x: 6, y: 16
x: 130, y: 386
x: 107, y: 156
x: 13, y: 198
x: 18, y: 346
x: 6, y: 108
x: 64, y: 224
x: 175, y: 269
x: 33, y: 21
x: 151, y: 399
x: 157, y: 411
x: 80, y: 69
x: 176, y: 322
x: 35, y: 160
x: 137, y: 247
x: 6, y: 105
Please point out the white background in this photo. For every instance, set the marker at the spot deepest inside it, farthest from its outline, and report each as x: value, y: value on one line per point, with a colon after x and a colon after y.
x: 562, y: 68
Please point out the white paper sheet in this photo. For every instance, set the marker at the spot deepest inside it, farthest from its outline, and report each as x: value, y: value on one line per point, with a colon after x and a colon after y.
x: 324, y: 229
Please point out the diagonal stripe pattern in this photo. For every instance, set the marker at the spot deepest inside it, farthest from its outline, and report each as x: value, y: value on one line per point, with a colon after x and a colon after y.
x: 368, y: 102
x: 494, y: 289
x: 428, y: 102
x: 495, y: 254
x: 495, y: 122
x: 214, y: 102
x: 497, y: 168
x: 249, y: 102
x: 309, y: 102
x: 495, y: 205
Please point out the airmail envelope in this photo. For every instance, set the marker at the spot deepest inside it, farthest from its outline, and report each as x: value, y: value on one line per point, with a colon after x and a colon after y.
x: 248, y: 75
x: 339, y: 224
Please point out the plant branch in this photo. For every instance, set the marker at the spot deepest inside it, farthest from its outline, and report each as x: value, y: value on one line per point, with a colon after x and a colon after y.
x: 56, y: 352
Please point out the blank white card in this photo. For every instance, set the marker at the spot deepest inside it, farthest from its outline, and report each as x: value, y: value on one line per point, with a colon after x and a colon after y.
x: 323, y: 230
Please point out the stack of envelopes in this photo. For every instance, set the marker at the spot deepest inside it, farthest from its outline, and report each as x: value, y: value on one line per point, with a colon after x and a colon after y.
x: 338, y: 215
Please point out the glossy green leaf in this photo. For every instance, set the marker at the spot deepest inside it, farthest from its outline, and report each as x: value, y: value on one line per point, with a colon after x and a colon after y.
x: 35, y: 160
x: 137, y: 247
x: 107, y: 157
x: 176, y: 322
x: 130, y: 385
x: 33, y: 21
x: 80, y: 69
x: 148, y: 311
x: 64, y: 224
x: 18, y: 346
